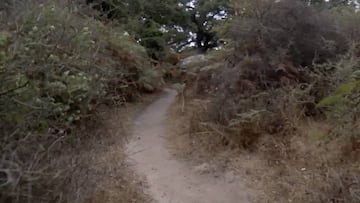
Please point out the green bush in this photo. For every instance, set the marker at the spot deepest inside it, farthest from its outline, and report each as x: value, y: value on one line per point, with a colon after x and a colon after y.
x: 55, y: 69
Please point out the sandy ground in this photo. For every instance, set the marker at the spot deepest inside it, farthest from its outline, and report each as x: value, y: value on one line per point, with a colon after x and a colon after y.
x: 170, y: 180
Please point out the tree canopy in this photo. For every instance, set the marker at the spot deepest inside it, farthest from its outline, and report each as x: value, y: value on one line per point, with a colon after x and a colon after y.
x: 159, y: 24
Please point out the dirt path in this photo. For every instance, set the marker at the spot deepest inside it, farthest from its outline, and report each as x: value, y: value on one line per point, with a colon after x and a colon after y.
x: 170, y: 180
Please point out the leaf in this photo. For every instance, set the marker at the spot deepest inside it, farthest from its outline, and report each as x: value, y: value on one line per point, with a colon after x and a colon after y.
x: 247, y: 117
x: 339, y: 94
x: 179, y: 87
x: 42, y: 126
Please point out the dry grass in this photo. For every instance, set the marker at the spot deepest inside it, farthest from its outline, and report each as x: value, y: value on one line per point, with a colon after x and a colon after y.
x: 87, y: 167
x: 304, y: 167
x: 99, y: 171
x: 290, y: 153
x: 102, y: 174
x: 260, y: 112
x: 186, y: 138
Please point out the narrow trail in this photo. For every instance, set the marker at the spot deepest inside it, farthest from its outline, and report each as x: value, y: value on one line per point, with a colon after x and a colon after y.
x: 170, y: 180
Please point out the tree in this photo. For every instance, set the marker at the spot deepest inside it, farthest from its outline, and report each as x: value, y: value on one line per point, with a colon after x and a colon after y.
x: 122, y: 10
x: 204, y: 16
x: 172, y: 23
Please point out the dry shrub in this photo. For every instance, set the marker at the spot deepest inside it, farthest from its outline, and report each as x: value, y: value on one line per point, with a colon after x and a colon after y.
x: 285, y: 29
x: 268, y: 79
x: 92, y: 174
x: 57, y: 67
x: 347, y: 19
x: 312, y: 162
x: 308, y: 166
x: 289, y: 95
x: 269, y: 122
x: 243, y: 119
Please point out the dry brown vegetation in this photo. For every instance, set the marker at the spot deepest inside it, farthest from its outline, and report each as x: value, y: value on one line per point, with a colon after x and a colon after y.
x: 284, y: 105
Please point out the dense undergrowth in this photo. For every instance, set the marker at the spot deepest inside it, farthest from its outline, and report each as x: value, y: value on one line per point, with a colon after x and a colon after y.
x: 288, y: 92
x: 57, y: 65
x: 285, y: 87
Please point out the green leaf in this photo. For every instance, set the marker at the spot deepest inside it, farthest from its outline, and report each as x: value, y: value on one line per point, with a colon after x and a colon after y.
x: 339, y: 94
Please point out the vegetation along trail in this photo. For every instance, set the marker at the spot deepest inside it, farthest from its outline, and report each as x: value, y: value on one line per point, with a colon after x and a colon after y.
x: 170, y: 180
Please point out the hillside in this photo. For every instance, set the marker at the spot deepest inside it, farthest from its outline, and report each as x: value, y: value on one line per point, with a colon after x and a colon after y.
x: 279, y: 105
x: 179, y: 101
x: 61, y: 70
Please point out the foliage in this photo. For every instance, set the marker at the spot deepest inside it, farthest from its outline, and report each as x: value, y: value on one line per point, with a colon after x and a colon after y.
x: 346, y: 19
x: 150, y: 80
x: 292, y: 69
x: 162, y: 24
x: 288, y: 29
x: 56, y: 68
x: 247, y: 117
x: 340, y: 94
x: 341, y: 104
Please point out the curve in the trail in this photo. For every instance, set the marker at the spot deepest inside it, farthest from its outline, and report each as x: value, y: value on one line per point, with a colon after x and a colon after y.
x: 170, y: 180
